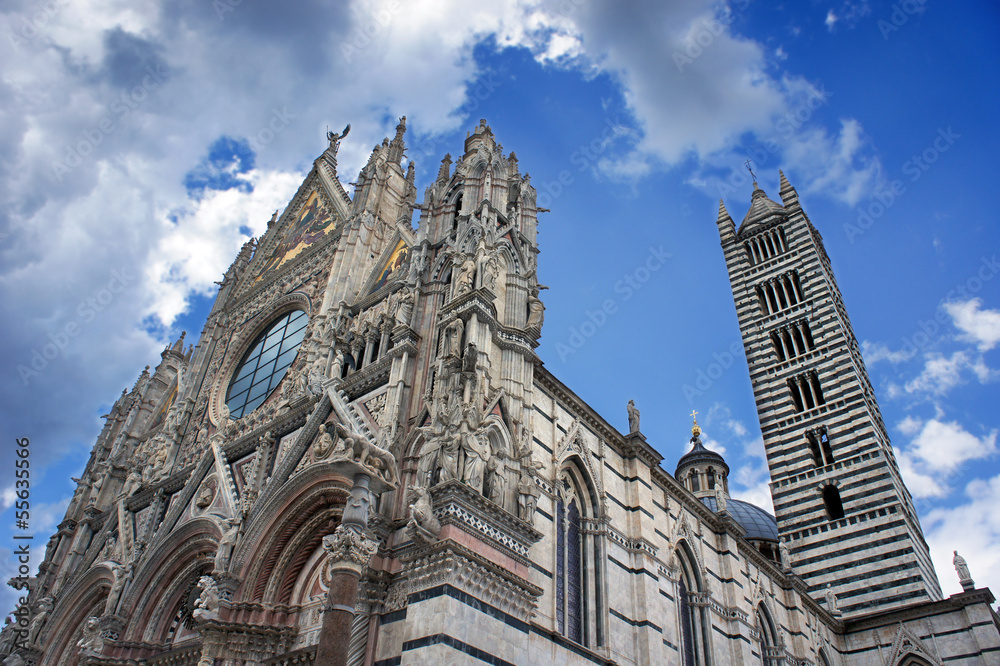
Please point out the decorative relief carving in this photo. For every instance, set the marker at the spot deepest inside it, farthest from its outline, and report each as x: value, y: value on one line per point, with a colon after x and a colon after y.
x: 349, y: 544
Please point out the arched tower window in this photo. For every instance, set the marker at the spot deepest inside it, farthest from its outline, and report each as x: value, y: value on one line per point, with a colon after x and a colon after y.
x: 580, y: 553
x: 692, y: 618
x: 831, y: 499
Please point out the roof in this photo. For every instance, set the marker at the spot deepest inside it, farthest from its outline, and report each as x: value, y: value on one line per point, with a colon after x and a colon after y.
x: 700, y: 454
x: 758, y: 523
x: 761, y: 208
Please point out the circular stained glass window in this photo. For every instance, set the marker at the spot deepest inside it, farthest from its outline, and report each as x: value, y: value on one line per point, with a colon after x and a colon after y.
x: 263, y: 367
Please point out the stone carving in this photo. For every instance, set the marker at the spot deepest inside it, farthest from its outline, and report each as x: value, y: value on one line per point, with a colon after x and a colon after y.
x: 132, y: 483
x: 404, y: 307
x: 527, y: 497
x: 831, y: 600
x: 964, y: 575
x: 349, y: 544
x: 633, y: 417
x: 205, y: 496
x: 207, y: 605
x: 91, y: 644
x: 360, y: 450
x: 466, y: 276
x: 720, y: 500
x: 323, y: 444
x: 123, y: 574
x: 42, y: 612
x: 498, y: 482
x: 475, y: 448
x: 453, y: 337
x: 224, y: 552
x: 536, y: 309
x: 786, y: 558
x: 97, y: 478
x: 110, y: 550
x: 491, y: 267
x: 423, y: 526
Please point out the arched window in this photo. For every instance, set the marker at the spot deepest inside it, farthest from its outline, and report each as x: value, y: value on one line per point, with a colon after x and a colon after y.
x: 693, y: 622
x: 710, y: 475
x: 770, y: 646
x: 831, y: 499
x: 580, y: 552
x: 823, y: 659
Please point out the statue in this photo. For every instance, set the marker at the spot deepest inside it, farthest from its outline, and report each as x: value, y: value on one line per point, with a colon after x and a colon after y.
x: 91, y: 644
x: 205, y: 496
x: 527, y: 498
x: 207, y: 605
x: 366, y: 454
x: 633, y: 417
x: 964, y: 575
x: 536, y: 309
x: 720, y: 500
x: 224, y: 552
x: 786, y: 557
x: 466, y: 275
x: 123, y: 573
x: 323, y: 444
x: 42, y: 612
x: 424, y: 525
x: 498, y: 481
x: 476, y: 449
x: 491, y: 267
x: 335, y: 138
x: 404, y: 307
x: 447, y: 458
x: 453, y: 337
x: 831, y: 601
x: 97, y: 482
x: 132, y: 483
x: 469, y: 358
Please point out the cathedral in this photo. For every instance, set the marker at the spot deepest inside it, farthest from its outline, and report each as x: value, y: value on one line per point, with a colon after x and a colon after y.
x: 362, y: 460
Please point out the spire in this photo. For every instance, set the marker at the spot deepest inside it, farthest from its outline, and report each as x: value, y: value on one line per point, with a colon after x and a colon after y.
x: 789, y: 196
x: 397, y: 146
x: 727, y: 229
x: 761, y: 208
x: 444, y: 173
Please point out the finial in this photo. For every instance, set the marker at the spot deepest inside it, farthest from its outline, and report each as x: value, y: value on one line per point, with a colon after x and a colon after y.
x: 747, y: 164
x: 695, y: 429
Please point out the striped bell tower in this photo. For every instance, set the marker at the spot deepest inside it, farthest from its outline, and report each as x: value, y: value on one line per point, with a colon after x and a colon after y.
x: 842, y: 508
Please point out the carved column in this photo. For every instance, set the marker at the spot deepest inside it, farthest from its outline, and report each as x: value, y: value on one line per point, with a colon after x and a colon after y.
x: 349, y: 549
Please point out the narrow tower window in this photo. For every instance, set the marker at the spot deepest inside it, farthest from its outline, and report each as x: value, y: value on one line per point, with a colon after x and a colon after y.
x: 831, y: 499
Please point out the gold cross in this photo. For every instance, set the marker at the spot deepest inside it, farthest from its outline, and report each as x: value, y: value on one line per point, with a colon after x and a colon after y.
x: 694, y: 415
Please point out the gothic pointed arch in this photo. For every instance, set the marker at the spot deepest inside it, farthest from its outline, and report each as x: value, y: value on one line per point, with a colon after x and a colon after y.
x: 769, y: 638
x: 83, y: 599
x: 693, y: 620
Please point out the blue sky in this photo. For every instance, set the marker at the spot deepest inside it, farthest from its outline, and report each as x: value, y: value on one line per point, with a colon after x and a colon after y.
x: 143, y: 143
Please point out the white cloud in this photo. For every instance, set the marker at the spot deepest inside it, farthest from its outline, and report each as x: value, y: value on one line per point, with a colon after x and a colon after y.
x: 981, y: 327
x: 874, y: 352
x: 830, y: 20
x: 972, y: 528
x: 911, y: 425
x: 936, y: 452
x: 943, y: 373
x: 920, y: 485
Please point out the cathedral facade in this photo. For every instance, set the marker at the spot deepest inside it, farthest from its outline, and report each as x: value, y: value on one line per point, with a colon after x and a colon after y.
x: 363, y: 461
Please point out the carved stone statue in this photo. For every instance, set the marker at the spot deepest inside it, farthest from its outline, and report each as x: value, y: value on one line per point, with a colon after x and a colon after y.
x: 466, y: 276
x: 123, y: 573
x: 964, y: 575
x: 91, y: 644
x: 453, y: 338
x: 323, y: 444
x: 491, y: 267
x: 42, y: 612
x: 527, y: 497
x: 207, y: 605
x: 447, y: 459
x: 366, y: 454
x: 720, y: 500
x: 205, y: 496
x: 786, y: 557
x: 831, y: 600
x: 110, y: 550
x: 633, y: 417
x: 132, y: 483
x: 536, y: 309
x: 224, y: 552
x: 497, y: 481
x: 97, y: 481
x: 404, y: 307
x: 423, y: 525
x: 475, y: 447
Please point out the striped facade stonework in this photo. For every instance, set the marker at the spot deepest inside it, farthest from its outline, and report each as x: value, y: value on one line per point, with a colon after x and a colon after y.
x: 809, y: 380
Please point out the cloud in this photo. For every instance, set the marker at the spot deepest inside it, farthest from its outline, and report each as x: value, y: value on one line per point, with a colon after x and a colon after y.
x: 981, y: 327
x: 943, y: 373
x: 936, y: 452
x: 972, y: 528
x: 874, y: 352
x: 830, y: 20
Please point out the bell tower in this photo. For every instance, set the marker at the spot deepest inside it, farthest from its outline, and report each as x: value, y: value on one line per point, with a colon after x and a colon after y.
x: 840, y: 502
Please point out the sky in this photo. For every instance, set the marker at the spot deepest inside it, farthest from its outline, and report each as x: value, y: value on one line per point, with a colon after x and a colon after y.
x: 142, y: 143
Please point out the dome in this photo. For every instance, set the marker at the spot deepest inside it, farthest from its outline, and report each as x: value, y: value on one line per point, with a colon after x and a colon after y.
x: 699, y: 454
x: 758, y: 523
